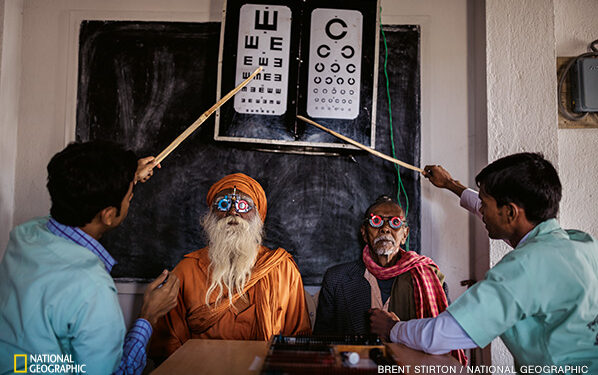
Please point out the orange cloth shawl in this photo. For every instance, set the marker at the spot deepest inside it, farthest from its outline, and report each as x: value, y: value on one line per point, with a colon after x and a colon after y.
x: 274, y: 303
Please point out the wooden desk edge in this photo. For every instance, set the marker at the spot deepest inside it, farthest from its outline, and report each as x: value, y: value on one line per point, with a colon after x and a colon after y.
x: 187, y: 358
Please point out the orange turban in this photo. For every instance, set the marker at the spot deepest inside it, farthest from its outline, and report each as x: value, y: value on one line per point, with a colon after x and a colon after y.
x: 245, y: 184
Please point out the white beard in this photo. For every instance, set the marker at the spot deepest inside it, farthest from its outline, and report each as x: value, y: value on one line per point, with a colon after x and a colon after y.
x: 232, y: 250
x: 387, y: 247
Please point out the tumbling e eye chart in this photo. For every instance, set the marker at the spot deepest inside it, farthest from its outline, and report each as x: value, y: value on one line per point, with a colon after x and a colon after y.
x: 265, y: 33
x: 334, y: 64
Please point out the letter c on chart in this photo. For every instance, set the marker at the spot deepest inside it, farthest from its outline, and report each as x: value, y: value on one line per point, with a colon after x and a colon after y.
x: 349, y: 54
x: 340, y: 35
x: 323, y: 54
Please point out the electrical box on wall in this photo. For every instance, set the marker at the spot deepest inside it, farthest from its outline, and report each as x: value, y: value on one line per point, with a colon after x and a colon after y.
x: 584, y: 85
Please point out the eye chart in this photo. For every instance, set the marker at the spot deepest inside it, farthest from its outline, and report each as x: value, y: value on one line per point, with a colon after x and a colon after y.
x: 319, y: 59
x: 263, y: 40
x: 334, y: 63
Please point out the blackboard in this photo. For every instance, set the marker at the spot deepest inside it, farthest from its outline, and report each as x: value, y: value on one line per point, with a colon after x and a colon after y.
x: 142, y: 83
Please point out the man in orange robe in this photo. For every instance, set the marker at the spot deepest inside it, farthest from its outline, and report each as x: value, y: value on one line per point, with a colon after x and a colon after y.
x: 235, y: 288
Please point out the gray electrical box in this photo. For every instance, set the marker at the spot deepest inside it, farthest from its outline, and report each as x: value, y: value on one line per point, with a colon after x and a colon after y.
x: 584, y: 85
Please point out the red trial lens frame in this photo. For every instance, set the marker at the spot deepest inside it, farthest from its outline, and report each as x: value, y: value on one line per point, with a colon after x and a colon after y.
x: 395, y: 222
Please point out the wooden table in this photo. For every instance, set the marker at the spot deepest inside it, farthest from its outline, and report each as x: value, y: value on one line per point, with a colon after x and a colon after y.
x: 215, y: 357
x: 246, y: 357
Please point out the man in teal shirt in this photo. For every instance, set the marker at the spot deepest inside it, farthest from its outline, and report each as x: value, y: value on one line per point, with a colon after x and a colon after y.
x: 541, y: 298
x: 59, y: 310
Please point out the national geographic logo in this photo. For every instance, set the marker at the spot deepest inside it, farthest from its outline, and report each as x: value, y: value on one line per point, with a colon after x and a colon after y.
x: 47, y: 364
x: 17, y: 364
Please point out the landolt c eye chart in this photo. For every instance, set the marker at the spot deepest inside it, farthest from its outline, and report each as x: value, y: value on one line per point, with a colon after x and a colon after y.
x: 335, y: 64
x: 319, y: 59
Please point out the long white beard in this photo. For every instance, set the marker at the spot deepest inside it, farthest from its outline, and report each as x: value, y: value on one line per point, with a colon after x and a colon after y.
x: 232, y: 250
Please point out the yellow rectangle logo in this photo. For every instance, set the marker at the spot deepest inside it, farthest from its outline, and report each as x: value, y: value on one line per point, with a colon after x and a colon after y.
x: 24, y: 356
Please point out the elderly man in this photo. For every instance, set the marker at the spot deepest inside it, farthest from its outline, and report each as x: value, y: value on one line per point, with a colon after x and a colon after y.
x: 235, y: 288
x: 386, y: 277
x: 540, y: 298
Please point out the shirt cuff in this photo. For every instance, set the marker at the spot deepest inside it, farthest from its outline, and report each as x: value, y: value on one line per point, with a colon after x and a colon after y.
x: 470, y: 200
x: 394, y: 332
x: 437, y: 335
x: 141, y: 330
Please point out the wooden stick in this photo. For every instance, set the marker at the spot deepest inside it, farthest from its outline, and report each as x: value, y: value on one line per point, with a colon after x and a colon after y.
x: 204, y: 117
x: 363, y: 147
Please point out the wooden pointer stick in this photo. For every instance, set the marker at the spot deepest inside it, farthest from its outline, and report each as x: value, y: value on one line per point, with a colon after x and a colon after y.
x: 363, y: 147
x: 203, y: 118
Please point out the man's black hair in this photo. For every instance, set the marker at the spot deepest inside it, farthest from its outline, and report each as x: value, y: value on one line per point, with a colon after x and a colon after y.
x: 85, y: 178
x: 525, y: 179
x: 380, y: 200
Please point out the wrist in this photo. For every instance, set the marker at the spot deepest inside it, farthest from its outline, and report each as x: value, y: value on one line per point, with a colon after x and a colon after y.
x: 148, y: 316
x: 151, y: 321
x: 456, y: 187
x: 393, y: 332
x: 142, y: 322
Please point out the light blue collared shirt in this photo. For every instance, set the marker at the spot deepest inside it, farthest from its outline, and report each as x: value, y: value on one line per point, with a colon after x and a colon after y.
x: 56, y: 297
x: 134, y: 351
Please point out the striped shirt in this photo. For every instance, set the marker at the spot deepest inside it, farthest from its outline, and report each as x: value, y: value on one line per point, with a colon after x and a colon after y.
x: 134, y: 349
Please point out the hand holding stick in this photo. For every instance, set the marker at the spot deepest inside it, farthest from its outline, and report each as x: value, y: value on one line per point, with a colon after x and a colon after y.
x: 145, y: 169
x: 441, y: 178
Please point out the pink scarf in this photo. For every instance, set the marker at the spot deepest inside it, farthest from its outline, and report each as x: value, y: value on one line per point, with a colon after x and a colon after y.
x: 429, y: 296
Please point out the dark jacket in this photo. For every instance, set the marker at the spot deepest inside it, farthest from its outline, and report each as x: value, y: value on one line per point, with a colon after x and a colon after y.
x: 345, y: 299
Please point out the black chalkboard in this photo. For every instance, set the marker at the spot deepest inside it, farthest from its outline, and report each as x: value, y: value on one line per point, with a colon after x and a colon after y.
x: 143, y: 83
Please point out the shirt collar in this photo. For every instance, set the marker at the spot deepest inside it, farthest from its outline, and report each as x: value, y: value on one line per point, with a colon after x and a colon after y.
x: 544, y: 227
x: 82, y: 239
x: 521, y: 241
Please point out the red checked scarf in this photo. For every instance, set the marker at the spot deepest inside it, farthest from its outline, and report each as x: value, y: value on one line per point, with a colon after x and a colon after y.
x: 429, y: 296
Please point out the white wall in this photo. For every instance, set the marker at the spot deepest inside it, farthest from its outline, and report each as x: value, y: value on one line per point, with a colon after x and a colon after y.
x: 521, y: 92
x: 478, y: 148
x: 445, y: 126
x: 576, y: 25
x: 10, y: 79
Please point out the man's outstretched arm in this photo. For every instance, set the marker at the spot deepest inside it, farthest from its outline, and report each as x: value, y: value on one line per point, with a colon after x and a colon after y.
x: 437, y: 335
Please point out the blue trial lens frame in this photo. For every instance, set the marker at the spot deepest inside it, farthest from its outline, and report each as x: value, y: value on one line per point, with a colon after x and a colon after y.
x: 241, y: 205
x: 376, y: 221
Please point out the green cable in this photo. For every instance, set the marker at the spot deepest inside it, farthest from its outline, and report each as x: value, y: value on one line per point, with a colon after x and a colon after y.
x: 401, y: 187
